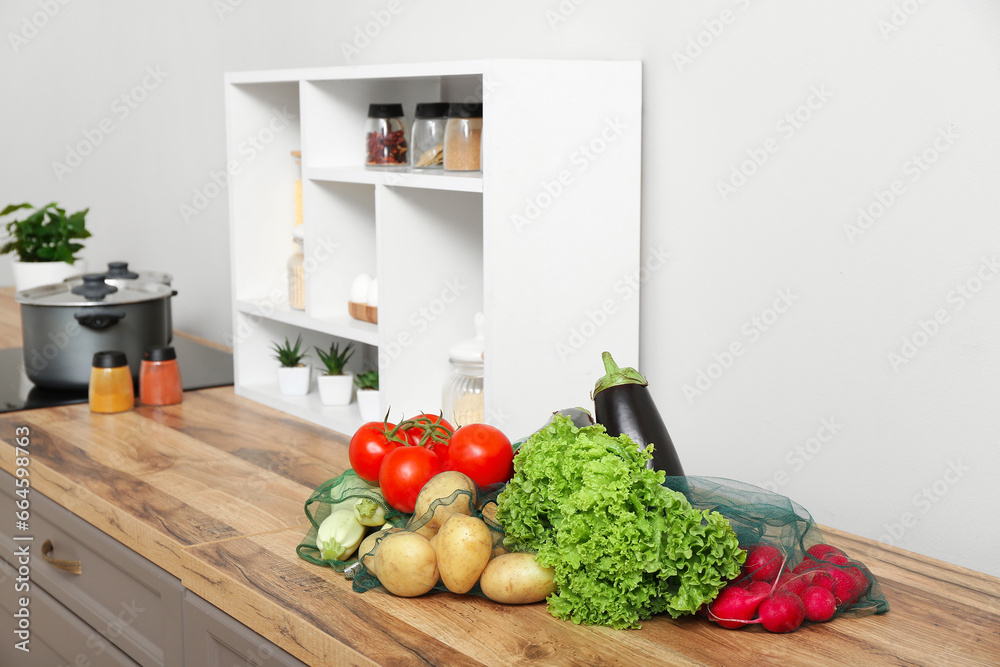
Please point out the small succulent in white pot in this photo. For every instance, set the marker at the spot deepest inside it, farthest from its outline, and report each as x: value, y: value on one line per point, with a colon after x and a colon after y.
x: 293, y: 376
x: 368, y: 396
x: 336, y: 386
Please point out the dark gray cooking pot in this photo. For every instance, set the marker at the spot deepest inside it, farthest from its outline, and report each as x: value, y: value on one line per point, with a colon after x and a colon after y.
x: 118, y: 272
x: 63, y: 325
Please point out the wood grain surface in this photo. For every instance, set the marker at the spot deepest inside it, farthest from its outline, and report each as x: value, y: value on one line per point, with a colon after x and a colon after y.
x: 10, y: 319
x: 213, y: 489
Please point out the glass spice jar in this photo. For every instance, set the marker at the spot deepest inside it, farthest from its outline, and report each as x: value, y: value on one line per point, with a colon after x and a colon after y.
x: 427, y: 135
x: 463, y: 137
x: 297, y: 219
x: 297, y: 274
x: 462, y: 399
x: 160, y: 376
x: 111, y: 389
x: 385, y: 136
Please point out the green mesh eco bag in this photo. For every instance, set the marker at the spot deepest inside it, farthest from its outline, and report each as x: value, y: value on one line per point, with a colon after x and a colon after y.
x: 340, y: 493
x: 759, y: 517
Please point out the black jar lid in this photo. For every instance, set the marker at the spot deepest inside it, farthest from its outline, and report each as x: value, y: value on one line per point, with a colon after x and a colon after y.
x: 110, y: 359
x: 159, y: 353
x: 432, y: 110
x: 465, y: 110
x: 385, y: 110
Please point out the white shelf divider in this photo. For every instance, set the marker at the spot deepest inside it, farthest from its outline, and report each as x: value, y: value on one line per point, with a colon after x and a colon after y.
x: 341, y: 326
x: 454, y: 181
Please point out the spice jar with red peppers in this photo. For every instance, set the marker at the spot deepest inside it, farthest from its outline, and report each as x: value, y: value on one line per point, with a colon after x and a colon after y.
x: 385, y: 137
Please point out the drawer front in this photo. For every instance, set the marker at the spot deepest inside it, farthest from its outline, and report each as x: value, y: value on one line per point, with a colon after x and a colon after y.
x: 212, y: 638
x: 133, y: 603
x: 56, y: 635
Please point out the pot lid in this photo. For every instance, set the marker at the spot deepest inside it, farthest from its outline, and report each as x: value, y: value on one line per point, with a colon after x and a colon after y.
x: 469, y: 351
x: 120, y: 271
x: 93, y: 289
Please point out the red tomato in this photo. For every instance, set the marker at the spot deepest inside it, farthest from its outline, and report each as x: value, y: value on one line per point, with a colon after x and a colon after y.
x: 482, y: 452
x: 404, y: 472
x: 439, y: 443
x: 415, y: 432
x: 368, y: 448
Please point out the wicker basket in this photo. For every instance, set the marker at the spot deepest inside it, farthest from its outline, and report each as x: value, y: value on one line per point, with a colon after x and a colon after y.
x: 363, y: 312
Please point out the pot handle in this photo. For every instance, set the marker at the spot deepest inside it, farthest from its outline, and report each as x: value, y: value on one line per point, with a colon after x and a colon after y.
x: 99, y: 320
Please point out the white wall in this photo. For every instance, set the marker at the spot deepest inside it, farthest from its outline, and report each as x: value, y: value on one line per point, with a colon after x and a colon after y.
x: 881, y: 96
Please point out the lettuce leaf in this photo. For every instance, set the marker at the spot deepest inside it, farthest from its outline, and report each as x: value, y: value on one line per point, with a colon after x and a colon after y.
x: 623, y: 546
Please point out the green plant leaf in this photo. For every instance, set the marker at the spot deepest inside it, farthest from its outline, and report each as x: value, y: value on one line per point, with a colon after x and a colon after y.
x: 335, y: 359
x: 35, y: 218
x: 288, y: 355
x: 367, y: 380
x: 10, y: 208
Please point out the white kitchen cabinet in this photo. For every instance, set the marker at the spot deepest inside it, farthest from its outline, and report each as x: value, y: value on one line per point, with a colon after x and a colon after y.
x: 544, y: 241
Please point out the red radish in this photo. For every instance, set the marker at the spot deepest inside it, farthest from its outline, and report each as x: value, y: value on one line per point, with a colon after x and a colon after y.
x: 762, y: 588
x: 812, y: 561
x: 734, y: 607
x: 763, y: 562
x: 794, y: 583
x: 848, y: 583
x: 820, y: 551
x: 806, y: 565
x: 837, y: 559
x: 819, y: 603
x: 782, y: 612
x: 819, y: 577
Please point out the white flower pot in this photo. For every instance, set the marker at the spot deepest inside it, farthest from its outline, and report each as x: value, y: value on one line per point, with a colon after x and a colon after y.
x: 294, y: 381
x: 36, y: 274
x: 369, y: 405
x: 336, y: 389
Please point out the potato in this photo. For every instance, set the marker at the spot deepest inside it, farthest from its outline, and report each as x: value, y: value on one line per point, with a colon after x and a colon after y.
x: 367, y: 544
x: 463, y: 546
x: 406, y: 564
x: 516, y: 578
x: 442, y: 486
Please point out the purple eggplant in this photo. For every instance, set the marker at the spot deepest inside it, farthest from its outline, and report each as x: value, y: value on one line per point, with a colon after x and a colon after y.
x: 623, y: 405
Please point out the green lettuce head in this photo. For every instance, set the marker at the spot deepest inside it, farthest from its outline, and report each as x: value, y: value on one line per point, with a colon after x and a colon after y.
x: 623, y: 546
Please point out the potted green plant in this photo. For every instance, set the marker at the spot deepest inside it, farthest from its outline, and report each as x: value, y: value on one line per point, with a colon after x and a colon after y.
x: 45, y: 244
x: 336, y: 387
x: 293, y: 376
x: 368, y: 397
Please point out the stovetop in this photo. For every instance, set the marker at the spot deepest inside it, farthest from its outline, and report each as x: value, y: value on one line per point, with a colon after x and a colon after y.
x: 201, y: 367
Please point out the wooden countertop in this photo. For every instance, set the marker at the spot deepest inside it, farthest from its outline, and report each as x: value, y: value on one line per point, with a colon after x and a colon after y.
x: 212, y: 490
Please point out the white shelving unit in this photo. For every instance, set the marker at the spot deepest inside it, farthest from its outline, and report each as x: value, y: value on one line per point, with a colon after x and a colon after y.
x: 541, y: 241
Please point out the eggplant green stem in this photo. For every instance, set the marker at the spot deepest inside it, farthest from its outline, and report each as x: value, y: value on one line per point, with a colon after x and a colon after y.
x: 615, y: 376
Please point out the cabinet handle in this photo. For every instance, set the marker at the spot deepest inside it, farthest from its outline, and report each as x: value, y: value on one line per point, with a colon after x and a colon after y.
x: 73, y: 566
